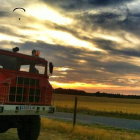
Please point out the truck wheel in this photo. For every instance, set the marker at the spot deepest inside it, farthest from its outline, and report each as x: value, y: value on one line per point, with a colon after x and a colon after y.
x: 29, y: 127
x: 5, y: 123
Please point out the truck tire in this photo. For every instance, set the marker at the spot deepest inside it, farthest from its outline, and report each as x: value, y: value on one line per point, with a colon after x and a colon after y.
x: 4, y: 128
x: 29, y: 127
x: 5, y: 123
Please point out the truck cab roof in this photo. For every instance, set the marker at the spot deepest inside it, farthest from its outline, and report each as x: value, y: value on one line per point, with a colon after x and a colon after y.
x: 18, y: 62
x: 20, y: 55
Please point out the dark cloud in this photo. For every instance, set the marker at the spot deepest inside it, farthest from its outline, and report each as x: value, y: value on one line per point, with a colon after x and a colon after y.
x: 100, y: 18
x: 79, y: 4
x: 10, y: 31
x: 112, y: 21
x: 3, y: 14
x: 54, y: 52
x: 121, y: 68
x: 112, y: 48
x: 107, y: 2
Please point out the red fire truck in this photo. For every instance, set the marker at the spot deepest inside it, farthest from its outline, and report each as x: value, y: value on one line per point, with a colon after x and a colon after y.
x: 25, y: 92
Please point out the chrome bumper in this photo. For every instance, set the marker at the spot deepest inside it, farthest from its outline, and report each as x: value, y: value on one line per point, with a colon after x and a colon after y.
x: 26, y: 110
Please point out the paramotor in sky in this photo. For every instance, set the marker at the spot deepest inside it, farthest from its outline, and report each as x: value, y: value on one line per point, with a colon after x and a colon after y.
x: 19, y: 8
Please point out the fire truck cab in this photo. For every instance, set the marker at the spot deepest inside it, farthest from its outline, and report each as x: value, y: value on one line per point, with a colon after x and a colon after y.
x: 25, y: 92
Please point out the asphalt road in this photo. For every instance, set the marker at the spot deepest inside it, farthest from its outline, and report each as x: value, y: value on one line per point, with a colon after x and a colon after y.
x: 108, y: 121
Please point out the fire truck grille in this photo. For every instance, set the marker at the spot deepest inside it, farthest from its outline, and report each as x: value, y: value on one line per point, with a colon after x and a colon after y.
x: 20, y: 94
x: 34, y: 95
x: 24, y: 90
x: 27, y: 81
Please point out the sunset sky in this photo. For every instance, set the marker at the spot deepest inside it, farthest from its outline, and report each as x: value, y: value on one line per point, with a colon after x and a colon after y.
x: 93, y: 44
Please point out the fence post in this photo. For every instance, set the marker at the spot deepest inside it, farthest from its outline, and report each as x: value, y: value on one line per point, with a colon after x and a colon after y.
x: 75, y: 112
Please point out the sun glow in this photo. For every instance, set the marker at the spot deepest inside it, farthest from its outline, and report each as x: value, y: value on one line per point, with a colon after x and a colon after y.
x: 68, y: 39
x: 107, y: 37
x: 44, y: 12
x: 94, y: 87
x: 57, y: 76
x: 81, y: 85
x: 82, y: 61
x: 57, y: 37
x: 9, y: 38
x: 36, y: 35
x: 63, y: 68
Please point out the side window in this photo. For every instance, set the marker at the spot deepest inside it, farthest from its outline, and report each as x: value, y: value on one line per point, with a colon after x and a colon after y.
x: 8, y: 62
x: 40, y: 69
x: 24, y: 65
x: 24, y: 68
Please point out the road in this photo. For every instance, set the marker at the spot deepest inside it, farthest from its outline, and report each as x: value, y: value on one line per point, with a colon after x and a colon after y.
x: 87, y: 119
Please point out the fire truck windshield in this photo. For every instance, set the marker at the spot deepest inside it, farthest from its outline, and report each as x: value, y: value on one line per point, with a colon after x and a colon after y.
x: 8, y: 62
x: 32, y: 66
x: 12, y: 63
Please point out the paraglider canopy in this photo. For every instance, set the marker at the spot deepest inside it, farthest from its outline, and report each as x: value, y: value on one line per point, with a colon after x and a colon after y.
x: 18, y: 9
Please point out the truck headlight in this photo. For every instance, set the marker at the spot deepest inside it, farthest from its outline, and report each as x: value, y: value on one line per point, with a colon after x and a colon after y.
x: 38, y: 108
x: 17, y: 109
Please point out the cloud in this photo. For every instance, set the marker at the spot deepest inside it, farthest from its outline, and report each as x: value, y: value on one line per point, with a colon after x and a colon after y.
x: 3, y: 14
x: 111, y: 21
x: 109, y: 25
x: 93, y: 71
x: 86, y: 4
x: 107, y: 2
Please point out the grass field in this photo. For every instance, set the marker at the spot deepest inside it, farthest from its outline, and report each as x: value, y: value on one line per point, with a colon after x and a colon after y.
x: 54, y: 129
x: 58, y: 130
x: 117, y: 107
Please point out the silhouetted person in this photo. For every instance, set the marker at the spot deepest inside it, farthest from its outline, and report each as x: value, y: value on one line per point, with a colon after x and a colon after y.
x: 33, y: 69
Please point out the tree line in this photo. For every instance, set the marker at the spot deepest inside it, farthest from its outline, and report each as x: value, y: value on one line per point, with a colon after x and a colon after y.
x: 96, y: 94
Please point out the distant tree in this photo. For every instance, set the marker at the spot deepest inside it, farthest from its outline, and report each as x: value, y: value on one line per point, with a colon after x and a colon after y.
x: 97, y: 94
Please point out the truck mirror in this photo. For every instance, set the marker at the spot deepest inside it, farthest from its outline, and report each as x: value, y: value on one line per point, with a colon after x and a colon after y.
x: 51, y: 67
